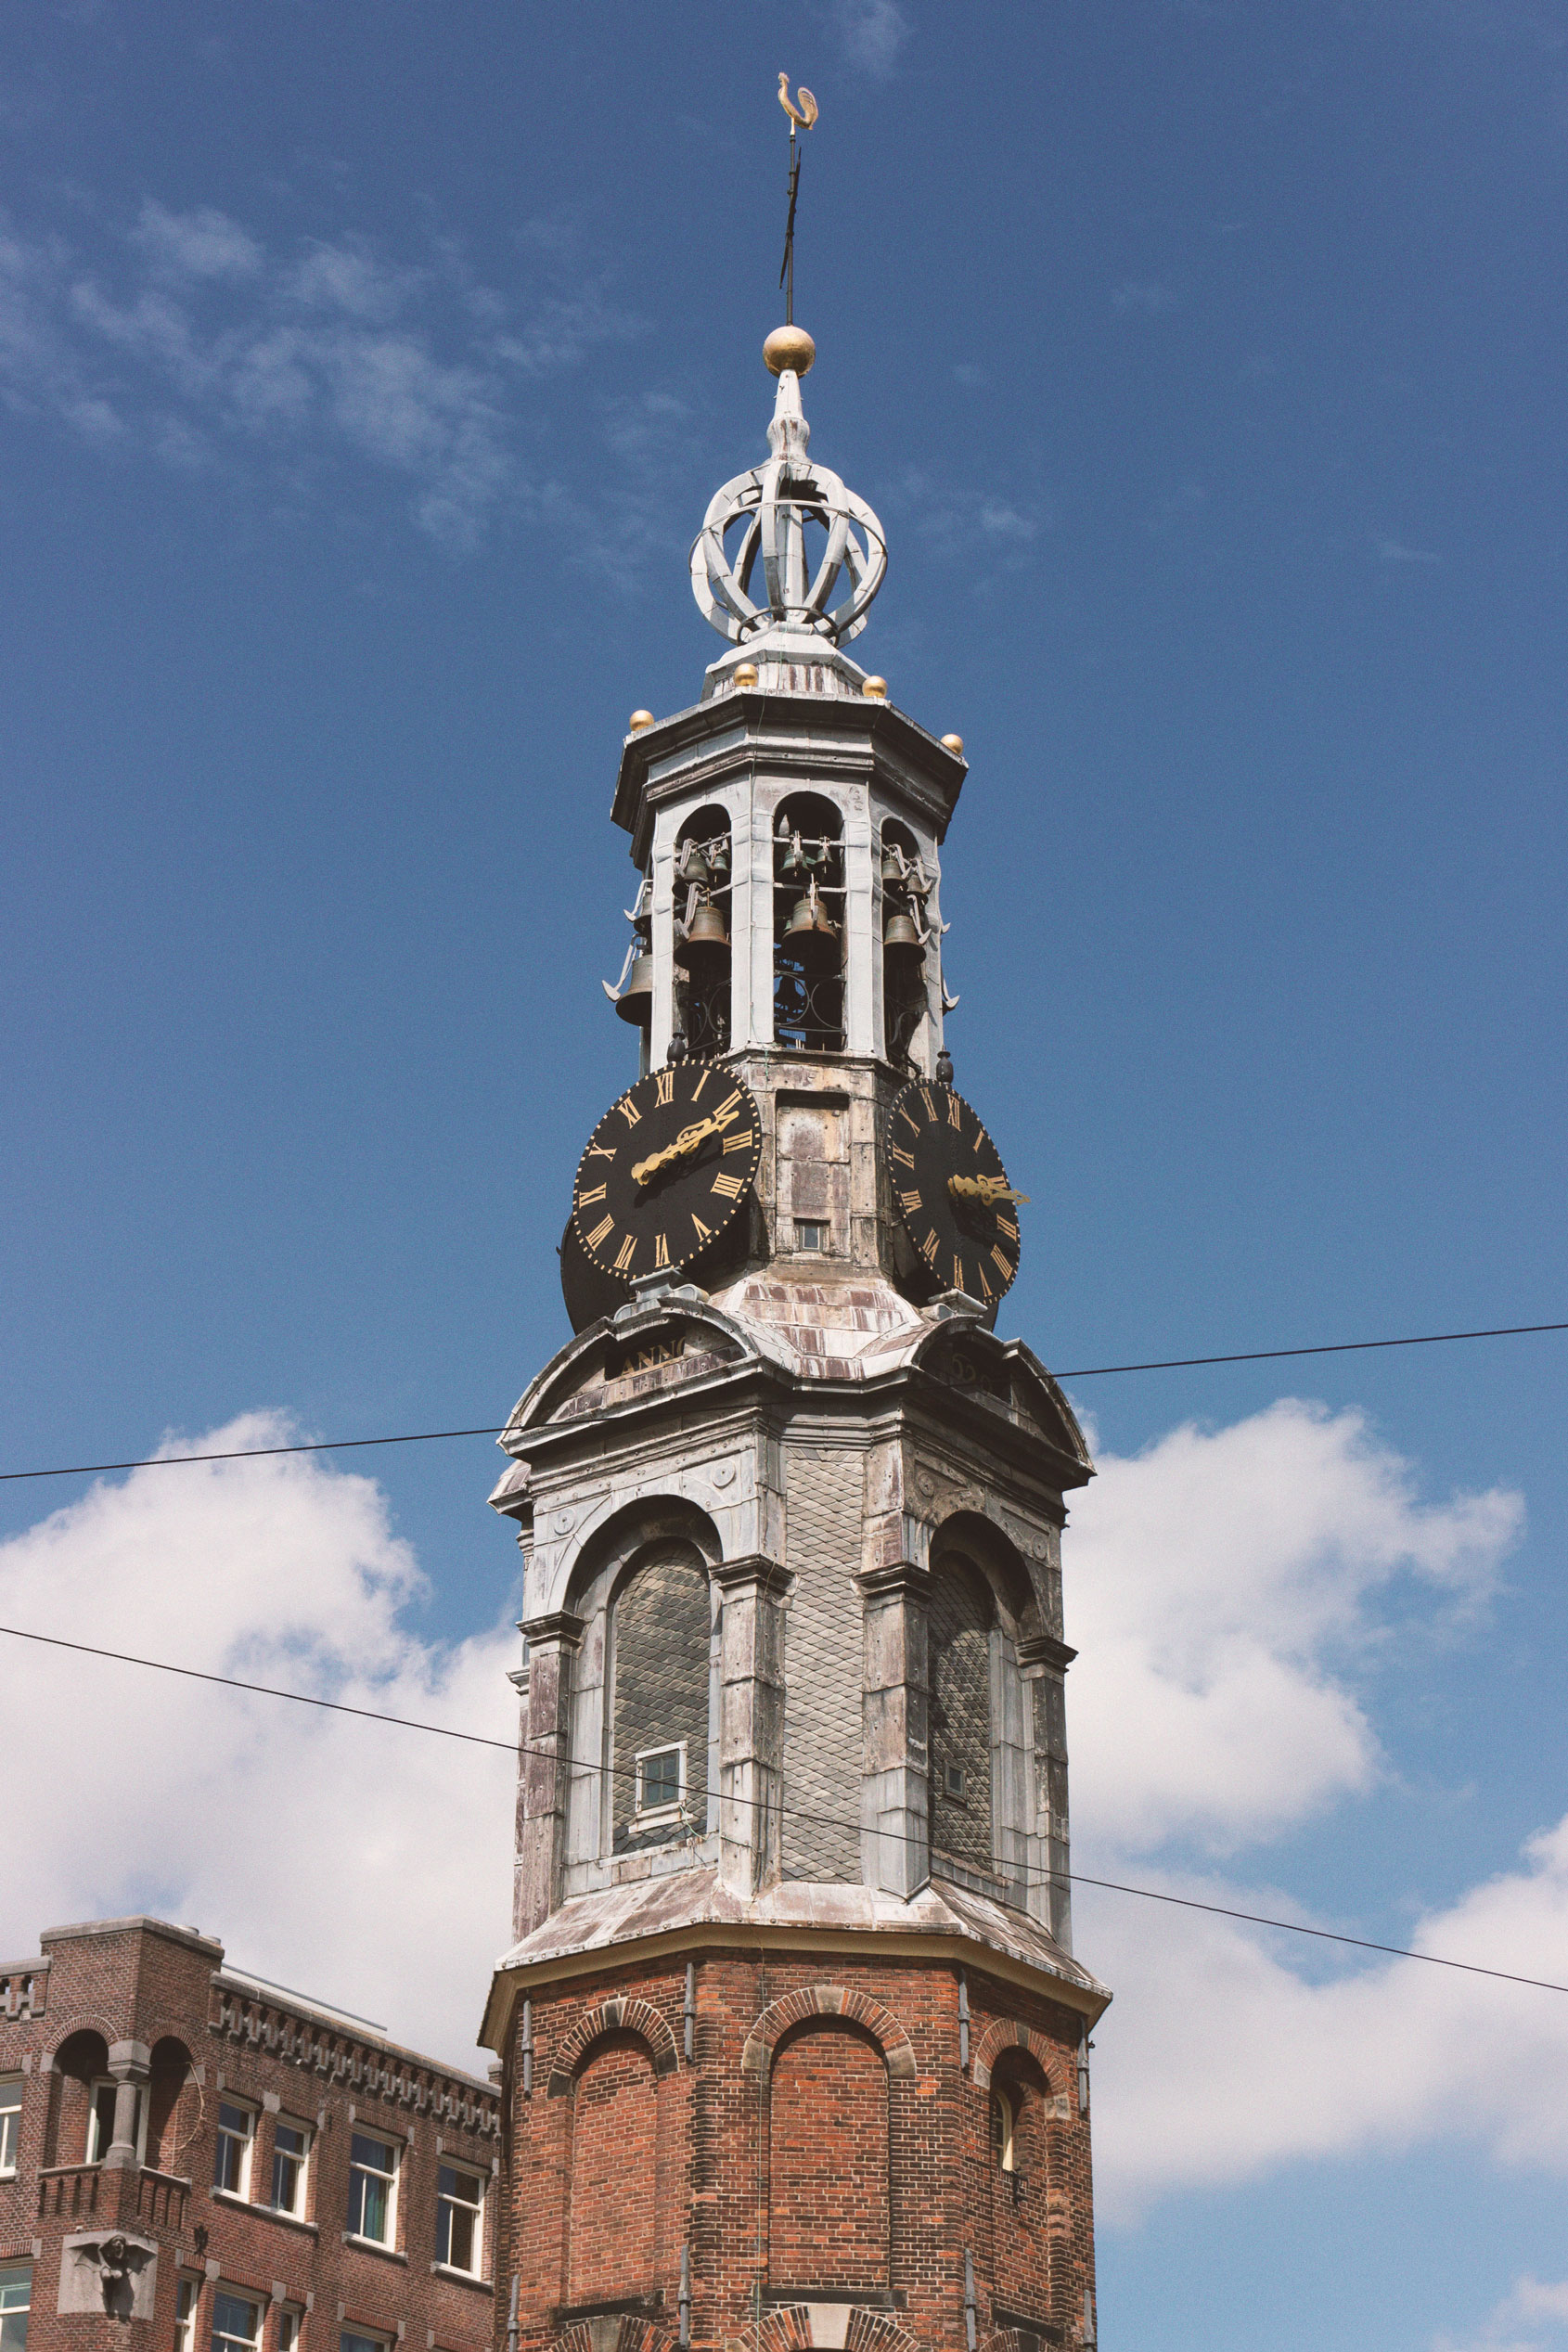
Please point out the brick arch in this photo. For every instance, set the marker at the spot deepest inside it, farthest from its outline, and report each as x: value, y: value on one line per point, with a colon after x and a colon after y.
x: 786, y: 2327
x: 634, y: 2334
x: 829, y: 2001
x: 618, y: 2016
x: 84, y: 2022
x: 1008, y: 2034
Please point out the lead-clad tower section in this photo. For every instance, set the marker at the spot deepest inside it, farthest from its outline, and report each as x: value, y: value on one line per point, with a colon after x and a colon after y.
x: 792, y: 2036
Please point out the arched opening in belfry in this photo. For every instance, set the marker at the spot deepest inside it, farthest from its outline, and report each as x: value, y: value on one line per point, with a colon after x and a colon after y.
x: 1021, y: 2110
x: 660, y: 1625
x: 828, y: 2207
x: 703, y: 947
x: 80, y: 2124
x: 963, y: 1615
x: 808, y: 924
x: 905, y: 884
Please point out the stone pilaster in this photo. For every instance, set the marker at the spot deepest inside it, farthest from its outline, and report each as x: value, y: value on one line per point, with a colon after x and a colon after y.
x: 552, y: 1646
x: 1044, y: 1662
x: 751, y: 1720
x: 896, y: 1777
x: 129, y: 2065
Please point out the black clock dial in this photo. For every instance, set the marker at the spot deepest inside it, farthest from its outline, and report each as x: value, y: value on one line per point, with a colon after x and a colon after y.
x: 666, y: 1169
x: 952, y: 1192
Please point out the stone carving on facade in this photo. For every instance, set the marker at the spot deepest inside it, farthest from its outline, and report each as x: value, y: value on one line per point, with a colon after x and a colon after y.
x: 106, y: 2270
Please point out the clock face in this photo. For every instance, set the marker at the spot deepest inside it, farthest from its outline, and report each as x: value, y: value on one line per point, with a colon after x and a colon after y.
x: 952, y: 1192
x: 666, y: 1169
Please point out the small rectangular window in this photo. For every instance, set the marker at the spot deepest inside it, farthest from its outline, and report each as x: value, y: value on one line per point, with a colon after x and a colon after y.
x: 287, y: 2330
x: 459, y: 2219
x: 955, y: 1781
x: 291, y: 2146
x: 16, y: 2300
x: 353, y: 2341
x: 184, y: 2314
x: 10, y: 2123
x: 661, y: 1779
x: 810, y: 1234
x: 237, y: 2323
x: 372, y: 2189
x: 231, y: 2159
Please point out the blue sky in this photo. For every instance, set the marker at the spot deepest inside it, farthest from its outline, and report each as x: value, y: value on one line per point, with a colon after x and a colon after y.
x: 364, y: 374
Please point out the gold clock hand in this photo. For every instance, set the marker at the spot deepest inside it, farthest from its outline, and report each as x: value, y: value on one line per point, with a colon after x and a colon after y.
x: 687, y: 1141
x: 983, y: 1188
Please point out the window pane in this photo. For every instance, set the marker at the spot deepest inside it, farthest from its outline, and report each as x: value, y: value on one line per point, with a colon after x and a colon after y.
x: 350, y: 2342
x: 661, y: 1779
x: 373, y: 2153
x: 236, y: 2323
x: 10, y: 2124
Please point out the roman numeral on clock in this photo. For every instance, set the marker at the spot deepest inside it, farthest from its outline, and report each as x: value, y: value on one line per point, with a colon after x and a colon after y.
x: 666, y: 1082
x: 630, y: 1112
x: 599, y: 1152
x: 904, y: 1159
x: 703, y: 1232
x: 927, y: 1249
x: 661, y: 1250
x: 731, y: 1187
x: 1002, y: 1262
x: 601, y: 1233
x: 593, y: 1193
x: 627, y: 1252
x: 741, y: 1142
x: 910, y: 1200
x: 954, y: 1111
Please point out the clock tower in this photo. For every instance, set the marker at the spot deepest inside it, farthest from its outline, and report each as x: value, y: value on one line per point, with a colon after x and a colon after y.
x: 793, y: 2040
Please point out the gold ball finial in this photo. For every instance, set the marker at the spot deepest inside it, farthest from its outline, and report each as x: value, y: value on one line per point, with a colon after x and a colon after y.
x: 788, y: 347
x: 743, y: 674
x: 954, y: 743
x: 874, y: 688
x: 638, y: 720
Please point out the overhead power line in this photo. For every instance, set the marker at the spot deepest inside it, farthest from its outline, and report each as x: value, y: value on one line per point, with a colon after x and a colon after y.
x: 816, y: 1821
x: 490, y: 1429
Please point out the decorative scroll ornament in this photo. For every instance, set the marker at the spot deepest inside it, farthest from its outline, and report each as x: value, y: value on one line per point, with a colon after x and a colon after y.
x: 773, y: 506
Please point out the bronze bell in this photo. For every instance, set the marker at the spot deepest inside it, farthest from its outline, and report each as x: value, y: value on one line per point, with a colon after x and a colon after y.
x: 719, y: 859
x: 706, y: 939
x: 811, y: 933
x: 895, y: 874
x: 901, y: 940
x: 794, y: 864
x: 694, y: 866
x: 635, y: 1000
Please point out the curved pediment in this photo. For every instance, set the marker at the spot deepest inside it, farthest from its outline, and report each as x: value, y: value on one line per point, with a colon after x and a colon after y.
x: 1009, y: 1378
x: 645, y: 1350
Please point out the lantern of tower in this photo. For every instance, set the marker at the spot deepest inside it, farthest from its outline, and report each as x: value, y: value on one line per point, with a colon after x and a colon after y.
x: 792, y: 2030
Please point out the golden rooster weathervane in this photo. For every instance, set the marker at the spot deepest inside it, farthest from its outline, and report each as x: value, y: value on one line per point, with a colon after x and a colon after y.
x: 802, y: 110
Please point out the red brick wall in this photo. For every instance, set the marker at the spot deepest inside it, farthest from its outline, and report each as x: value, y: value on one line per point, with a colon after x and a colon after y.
x: 614, y: 2172
x: 828, y: 2161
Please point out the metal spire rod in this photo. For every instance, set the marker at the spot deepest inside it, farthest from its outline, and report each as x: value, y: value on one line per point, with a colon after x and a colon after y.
x: 802, y: 110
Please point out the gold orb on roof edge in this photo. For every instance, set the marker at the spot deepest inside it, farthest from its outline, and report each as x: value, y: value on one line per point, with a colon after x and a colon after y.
x: 744, y: 674
x: 788, y: 347
x: 875, y: 687
x: 954, y: 743
x: 638, y: 720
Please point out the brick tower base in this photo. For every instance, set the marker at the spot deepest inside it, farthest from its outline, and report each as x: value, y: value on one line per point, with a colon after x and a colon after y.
x: 734, y: 2138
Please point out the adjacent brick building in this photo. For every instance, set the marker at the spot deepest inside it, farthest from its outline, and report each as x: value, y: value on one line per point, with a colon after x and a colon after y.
x: 190, y: 2157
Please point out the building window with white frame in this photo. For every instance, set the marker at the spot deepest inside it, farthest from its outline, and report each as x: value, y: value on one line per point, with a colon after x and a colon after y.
x: 459, y: 2221
x: 354, y: 2340
x: 231, y: 2158
x: 16, y: 2300
x: 287, y: 2338
x: 10, y: 2123
x: 661, y: 1778
x: 372, y: 2189
x: 185, y: 2294
x: 291, y: 2150
x: 237, y: 2323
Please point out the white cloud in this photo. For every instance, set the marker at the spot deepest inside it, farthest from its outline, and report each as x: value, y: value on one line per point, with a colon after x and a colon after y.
x: 872, y: 33
x: 368, y: 1864
x: 1534, y: 2304
x: 1222, y: 1586
x: 188, y: 336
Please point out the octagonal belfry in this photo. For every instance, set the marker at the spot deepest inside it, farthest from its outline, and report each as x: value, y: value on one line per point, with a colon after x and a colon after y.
x: 792, y: 2036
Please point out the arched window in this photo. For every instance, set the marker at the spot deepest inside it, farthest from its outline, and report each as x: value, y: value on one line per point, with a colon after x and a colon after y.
x: 828, y: 2161
x: 962, y: 1615
x: 808, y: 924
x: 661, y: 1622
x: 173, y: 2104
x: 1004, y: 2132
x: 81, y: 2124
x: 702, y: 881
